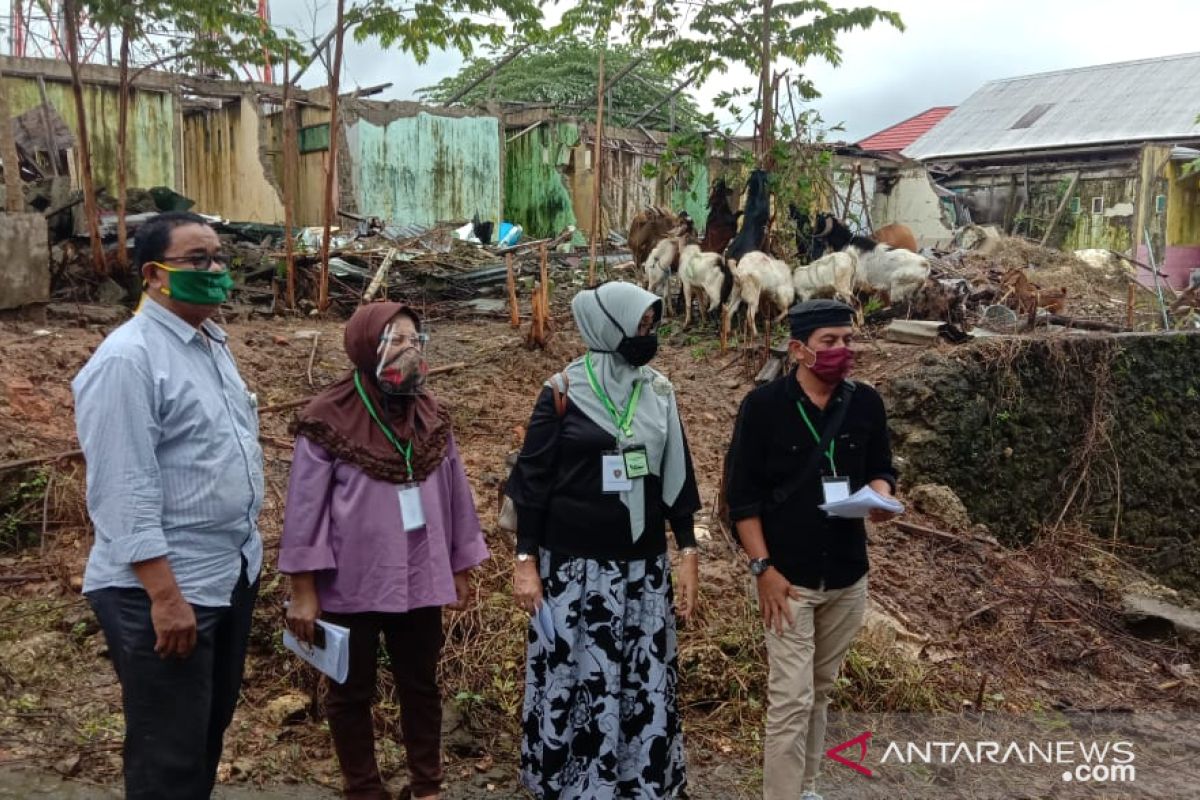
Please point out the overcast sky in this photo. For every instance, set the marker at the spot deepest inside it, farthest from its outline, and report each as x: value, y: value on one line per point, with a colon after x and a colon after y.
x: 949, y: 49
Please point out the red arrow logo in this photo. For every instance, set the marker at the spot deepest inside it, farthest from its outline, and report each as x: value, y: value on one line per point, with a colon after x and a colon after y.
x: 861, y: 740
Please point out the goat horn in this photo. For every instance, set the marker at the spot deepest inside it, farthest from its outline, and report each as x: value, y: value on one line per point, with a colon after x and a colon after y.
x: 828, y: 228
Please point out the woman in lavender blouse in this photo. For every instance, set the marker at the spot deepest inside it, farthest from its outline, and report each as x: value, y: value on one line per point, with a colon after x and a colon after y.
x: 379, y: 533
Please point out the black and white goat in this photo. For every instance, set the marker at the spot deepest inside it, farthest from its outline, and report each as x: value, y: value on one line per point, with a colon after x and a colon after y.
x: 881, y: 268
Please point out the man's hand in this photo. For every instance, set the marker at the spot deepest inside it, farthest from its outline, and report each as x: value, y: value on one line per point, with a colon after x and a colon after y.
x: 687, y: 583
x: 173, y: 619
x: 527, y: 586
x: 174, y: 625
x: 773, y: 594
x: 878, y: 514
x: 462, y: 591
x: 304, y: 609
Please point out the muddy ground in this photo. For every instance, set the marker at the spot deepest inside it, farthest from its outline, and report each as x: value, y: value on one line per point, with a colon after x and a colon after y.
x: 959, y: 621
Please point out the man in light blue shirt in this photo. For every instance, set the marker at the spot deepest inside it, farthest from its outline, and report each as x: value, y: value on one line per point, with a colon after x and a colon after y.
x: 174, y: 488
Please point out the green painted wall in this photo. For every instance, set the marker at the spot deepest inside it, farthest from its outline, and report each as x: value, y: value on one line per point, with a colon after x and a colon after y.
x: 427, y: 169
x: 151, y: 123
x: 1112, y: 229
x: 536, y: 195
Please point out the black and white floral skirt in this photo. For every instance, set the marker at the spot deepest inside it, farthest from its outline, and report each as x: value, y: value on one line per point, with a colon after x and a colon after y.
x: 601, y: 720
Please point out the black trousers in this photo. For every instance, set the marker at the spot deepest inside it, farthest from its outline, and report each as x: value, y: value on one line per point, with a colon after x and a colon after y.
x: 176, y: 710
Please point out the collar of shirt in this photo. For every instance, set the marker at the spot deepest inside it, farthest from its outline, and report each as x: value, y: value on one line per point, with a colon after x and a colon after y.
x: 176, y: 324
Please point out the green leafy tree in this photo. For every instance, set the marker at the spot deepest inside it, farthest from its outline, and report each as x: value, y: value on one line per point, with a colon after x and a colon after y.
x: 418, y: 28
x: 565, y: 74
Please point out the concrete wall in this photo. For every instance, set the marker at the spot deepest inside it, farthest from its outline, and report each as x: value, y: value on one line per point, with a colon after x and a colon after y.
x: 425, y: 169
x: 1103, y: 426
x: 913, y: 202
x: 225, y: 169
x: 24, y: 260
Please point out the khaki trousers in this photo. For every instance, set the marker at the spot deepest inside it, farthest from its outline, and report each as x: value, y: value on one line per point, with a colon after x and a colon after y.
x: 804, y: 663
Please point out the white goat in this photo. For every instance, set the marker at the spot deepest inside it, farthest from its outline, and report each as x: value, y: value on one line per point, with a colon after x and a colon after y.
x: 704, y: 272
x: 658, y: 269
x: 755, y: 276
x: 834, y: 271
x: 897, y: 272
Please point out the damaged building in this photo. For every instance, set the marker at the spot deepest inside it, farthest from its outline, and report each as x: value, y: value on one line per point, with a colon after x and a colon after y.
x: 1082, y: 158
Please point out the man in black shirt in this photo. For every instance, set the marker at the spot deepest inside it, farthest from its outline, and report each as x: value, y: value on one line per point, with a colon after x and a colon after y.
x: 811, y: 568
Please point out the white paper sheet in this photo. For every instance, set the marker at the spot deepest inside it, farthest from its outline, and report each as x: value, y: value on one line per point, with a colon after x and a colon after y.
x: 333, y: 659
x: 860, y: 504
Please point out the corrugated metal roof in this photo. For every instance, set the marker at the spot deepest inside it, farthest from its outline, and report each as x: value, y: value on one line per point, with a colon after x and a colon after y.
x: 1134, y: 101
x: 902, y: 134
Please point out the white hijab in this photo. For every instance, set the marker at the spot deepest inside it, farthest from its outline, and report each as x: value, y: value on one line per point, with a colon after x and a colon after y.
x: 656, y: 423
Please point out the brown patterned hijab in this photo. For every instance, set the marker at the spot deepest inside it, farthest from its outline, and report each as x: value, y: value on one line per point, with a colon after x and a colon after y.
x: 338, y: 420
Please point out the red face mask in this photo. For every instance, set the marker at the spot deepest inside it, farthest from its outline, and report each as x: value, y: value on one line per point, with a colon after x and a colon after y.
x: 832, y: 365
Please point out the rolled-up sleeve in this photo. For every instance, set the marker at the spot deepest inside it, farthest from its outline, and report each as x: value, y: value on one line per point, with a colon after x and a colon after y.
x: 305, y: 545
x: 467, y: 548
x: 746, y: 485
x: 119, y: 431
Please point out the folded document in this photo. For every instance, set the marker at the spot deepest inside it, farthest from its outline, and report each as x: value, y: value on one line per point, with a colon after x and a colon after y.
x: 861, y: 503
x: 333, y: 659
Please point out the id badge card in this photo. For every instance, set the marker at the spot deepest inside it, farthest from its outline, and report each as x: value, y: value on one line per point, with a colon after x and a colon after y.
x: 637, y: 465
x: 412, y: 513
x: 614, y: 477
x: 835, y: 489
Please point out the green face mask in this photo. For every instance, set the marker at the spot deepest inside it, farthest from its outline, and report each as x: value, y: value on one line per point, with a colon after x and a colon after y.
x: 203, y: 288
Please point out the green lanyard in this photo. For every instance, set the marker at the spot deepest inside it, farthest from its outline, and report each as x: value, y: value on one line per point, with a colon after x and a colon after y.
x: 407, y: 449
x: 813, y: 431
x: 622, y: 421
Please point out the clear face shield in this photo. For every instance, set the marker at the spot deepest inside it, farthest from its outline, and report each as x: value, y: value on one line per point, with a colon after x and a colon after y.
x: 403, y: 363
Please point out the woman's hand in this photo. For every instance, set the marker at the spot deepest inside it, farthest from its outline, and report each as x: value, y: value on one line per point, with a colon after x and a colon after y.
x: 462, y: 591
x: 304, y: 608
x: 687, y: 583
x: 527, y: 586
x: 878, y: 514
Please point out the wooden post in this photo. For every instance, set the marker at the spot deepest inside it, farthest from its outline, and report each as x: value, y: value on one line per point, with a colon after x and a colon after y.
x: 124, y: 90
x: 513, y: 308
x: 1129, y: 302
x: 71, y: 20
x: 48, y: 128
x: 767, y: 110
x: 14, y: 192
x: 335, y: 76
x: 291, y: 163
x: 597, y: 168
x: 545, y: 257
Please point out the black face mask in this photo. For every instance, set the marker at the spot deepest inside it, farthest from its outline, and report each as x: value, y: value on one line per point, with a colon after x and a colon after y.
x: 637, y: 350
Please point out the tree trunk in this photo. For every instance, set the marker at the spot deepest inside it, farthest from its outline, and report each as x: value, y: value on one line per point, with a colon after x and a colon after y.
x: 767, y: 111
x: 125, y: 90
x: 71, y: 20
x: 597, y: 167
x: 13, y: 188
x: 291, y: 162
x: 335, y: 76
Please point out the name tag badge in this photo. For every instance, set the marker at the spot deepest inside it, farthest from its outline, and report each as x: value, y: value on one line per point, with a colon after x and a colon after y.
x: 412, y: 513
x: 614, y: 477
x: 835, y: 489
x: 637, y: 465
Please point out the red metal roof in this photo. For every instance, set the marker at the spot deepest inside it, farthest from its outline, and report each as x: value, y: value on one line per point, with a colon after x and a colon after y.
x: 902, y: 134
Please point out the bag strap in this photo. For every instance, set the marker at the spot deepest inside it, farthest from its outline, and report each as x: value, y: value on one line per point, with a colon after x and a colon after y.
x: 832, y: 425
x: 560, y: 395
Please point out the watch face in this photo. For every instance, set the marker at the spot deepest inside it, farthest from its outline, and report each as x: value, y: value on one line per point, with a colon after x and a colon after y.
x: 758, y: 566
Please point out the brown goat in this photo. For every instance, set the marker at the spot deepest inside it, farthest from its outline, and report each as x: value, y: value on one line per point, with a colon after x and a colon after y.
x: 648, y: 228
x: 896, y: 235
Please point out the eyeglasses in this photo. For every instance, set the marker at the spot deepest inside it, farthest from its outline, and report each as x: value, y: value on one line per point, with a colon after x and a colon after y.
x: 200, y: 263
x: 417, y: 340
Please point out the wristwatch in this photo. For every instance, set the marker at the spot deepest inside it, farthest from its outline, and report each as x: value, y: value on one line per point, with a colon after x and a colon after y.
x: 759, y: 565
x: 525, y: 556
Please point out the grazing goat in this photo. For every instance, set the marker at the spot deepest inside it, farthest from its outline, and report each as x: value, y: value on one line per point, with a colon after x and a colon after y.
x: 753, y: 234
x: 758, y: 277
x: 808, y: 246
x: 647, y: 229
x: 706, y: 272
x: 888, y: 270
x: 835, y: 271
x: 722, y: 220
x: 896, y: 235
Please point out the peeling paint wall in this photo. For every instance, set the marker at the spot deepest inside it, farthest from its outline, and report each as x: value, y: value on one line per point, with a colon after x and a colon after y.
x: 426, y: 169
x: 224, y: 171
x: 1111, y: 228
x: 536, y: 195
x: 912, y: 201
x: 151, y: 126
x: 1183, y: 206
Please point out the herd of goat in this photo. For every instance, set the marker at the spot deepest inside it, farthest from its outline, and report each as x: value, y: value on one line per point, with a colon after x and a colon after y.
x: 730, y: 267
